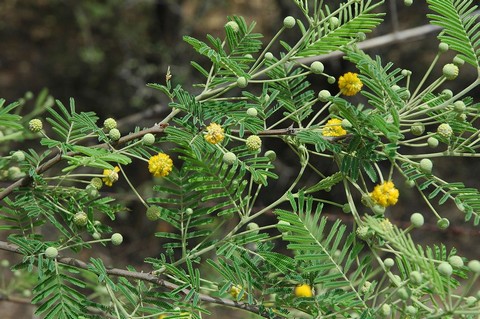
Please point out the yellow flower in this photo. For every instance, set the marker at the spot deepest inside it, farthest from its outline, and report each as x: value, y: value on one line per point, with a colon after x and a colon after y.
x: 160, y: 165
x: 385, y: 194
x: 110, y: 176
x: 333, y: 128
x: 349, y: 84
x: 215, y: 133
x: 303, y: 290
x: 235, y: 291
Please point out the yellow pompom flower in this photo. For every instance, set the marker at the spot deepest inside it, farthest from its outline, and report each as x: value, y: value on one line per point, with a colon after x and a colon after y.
x: 385, y: 194
x: 160, y: 165
x: 110, y: 176
x: 349, y: 84
x: 215, y: 133
x: 334, y: 128
x: 303, y: 290
x: 235, y: 291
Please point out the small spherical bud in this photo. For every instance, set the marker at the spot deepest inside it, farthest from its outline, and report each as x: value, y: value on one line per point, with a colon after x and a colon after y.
x: 408, y: 3
x: 417, y: 128
x: 110, y: 124
x: 248, y: 56
x: 229, y: 158
x: 18, y: 156
x: 411, y: 310
x: 389, y: 262
x: 331, y: 80
x: 416, y: 277
x: 470, y: 301
x: 458, y: 61
x: 417, y: 220
x: 378, y: 210
x: 432, y: 142
x: 445, y: 269
x: 233, y: 25
x: 456, y: 261
x: 92, y: 191
x: 148, y: 139
x: 403, y: 293
x: 406, y: 72
x: 474, y: 265
x: 289, y: 22
x: 253, y: 143
x: 114, y: 134
x: 459, y: 107
x: 189, y: 211
x: 27, y: 293
x: 323, y: 95
x: 450, y: 71
x: 317, y: 67
x: 35, y: 125
x: 283, y: 223
x: 269, y: 56
x: 409, y: 183
x: 242, y: 82
x: 96, y: 182
x: 386, y: 310
x: 271, y: 155
x: 395, y: 87
x: 334, y: 22
x: 444, y: 130
x: 363, y: 232
x: 117, y: 239
x: 5, y: 263
x: 96, y: 235
x: 346, y: 208
x: 443, y: 223
x: 361, y: 36
x: 404, y: 94
x: 346, y: 124
x: 80, y: 219
x: 442, y: 47
x: 153, y: 213
x: 447, y: 94
x: 426, y: 166
x: 251, y: 111
x: 14, y: 172
x: 253, y: 227
x: 51, y: 252
x: 366, y: 287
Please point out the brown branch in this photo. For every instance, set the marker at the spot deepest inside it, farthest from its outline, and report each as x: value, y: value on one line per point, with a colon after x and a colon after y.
x: 147, y: 277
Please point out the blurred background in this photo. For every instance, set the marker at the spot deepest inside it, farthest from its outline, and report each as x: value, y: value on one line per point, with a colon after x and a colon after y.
x: 102, y: 53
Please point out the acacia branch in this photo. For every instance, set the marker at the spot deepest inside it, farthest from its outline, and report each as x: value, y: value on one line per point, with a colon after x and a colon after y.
x: 147, y: 277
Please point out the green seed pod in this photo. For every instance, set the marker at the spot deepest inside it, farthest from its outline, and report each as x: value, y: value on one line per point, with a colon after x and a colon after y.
x: 323, y: 95
x: 18, y: 156
x: 426, y: 166
x: 229, y: 158
x: 148, y: 139
x: 114, y: 134
x: 474, y: 265
x: 251, y: 111
x: 450, y: 71
x: 317, y: 67
x: 35, y: 125
x: 417, y: 129
x: 116, y: 239
x: 153, y: 213
x: 110, y: 124
x: 456, y: 261
x: 416, y: 277
x: 443, y: 223
x: 389, y: 262
x: 51, y: 252
x: 445, y: 269
x: 443, y: 47
x: 80, y: 219
x: 289, y: 22
x: 242, y: 82
x: 432, y: 142
x: 271, y: 155
x: 417, y: 220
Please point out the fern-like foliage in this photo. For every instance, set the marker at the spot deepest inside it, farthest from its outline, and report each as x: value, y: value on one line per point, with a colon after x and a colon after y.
x: 354, y: 17
x: 461, y: 30
x: 6, y: 118
x: 315, y: 242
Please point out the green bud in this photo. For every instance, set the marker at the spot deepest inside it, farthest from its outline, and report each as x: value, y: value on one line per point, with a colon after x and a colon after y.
x: 458, y: 61
x: 323, y: 95
x: 148, y: 139
x: 253, y: 227
x: 411, y: 310
x: 432, y: 142
x: 426, y: 166
x: 289, y: 22
x: 331, y: 80
x: 35, y: 125
x: 456, y: 261
x: 229, y: 158
x: 233, y: 25
x: 346, y: 124
x: 116, y: 239
x: 251, y: 111
x: 51, y: 252
x: 269, y: 56
x: 189, y: 211
x: 416, y: 277
x: 80, y: 219
x: 408, y: 3
x: 153, y: 213
x: 18, y: 156
x: 389, y: 262
x: 447, y: 94
x: 271, y: 155
x: 242, y: 82
x: 459, y: 107
x: 417, y: 128
x: 443, y: 223
x: 445, y: 269
x: 409, y: 183
x: 334, y: 22
x: 317, y: 67
x: 110, y: 124
x: 474, y: 265
x: 114, y: 134
x: 346, y: 208
x: 450, y: 71
x: 417, y: 220
x: 442, y: 47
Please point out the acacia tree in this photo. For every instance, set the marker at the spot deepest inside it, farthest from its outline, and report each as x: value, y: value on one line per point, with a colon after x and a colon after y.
x: 211, y: 169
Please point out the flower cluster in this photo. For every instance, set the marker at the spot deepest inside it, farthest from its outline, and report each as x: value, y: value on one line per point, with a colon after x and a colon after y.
x: 349, y: 84
x: 110, y: 176
x: 215, y: 133
x: 160, y: 165
x: 334, y: 128
x: 385, y: 194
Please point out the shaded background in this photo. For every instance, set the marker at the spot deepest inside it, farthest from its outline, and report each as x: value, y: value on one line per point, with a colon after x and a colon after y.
x: 103, y: 53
